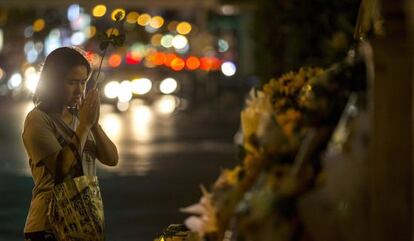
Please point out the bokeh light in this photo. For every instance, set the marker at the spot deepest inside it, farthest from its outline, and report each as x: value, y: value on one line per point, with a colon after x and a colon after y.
x: 125, y: 93
x: 156, y: 22
x: 169, y: 58
x: 90, y: 31
x: 39, y: 25
x: 166, y: 41
x: 78, y: 38
x: 133, y: 57
x: 179, y: 41
x: 156, y: 39
x: 73, y: 12
x: 132, y: 17
x: 223, y: 45
x: 192, y: 63
x: 114, y: 60
x: 228, y: 68
x: 99, y: 10
x: 15, y: 81
x: 166, y: 105
x: 144, y: 19
x: 184, y: 28
x: 141, y: 86
x: 111, y: 89
x: 118, y: 11
x: 168, y: 86
x: 31, y: 78
x: 172, y: 26
x: 177, y: 64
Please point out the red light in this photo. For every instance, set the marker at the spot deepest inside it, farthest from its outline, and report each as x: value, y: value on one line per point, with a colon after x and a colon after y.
x: 114, y: 60
x: 133, y: 57
x: 192, y: 63
x: 177, y: 64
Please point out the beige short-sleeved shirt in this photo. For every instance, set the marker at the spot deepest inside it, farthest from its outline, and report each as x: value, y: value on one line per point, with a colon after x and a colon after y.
x: 40, y: 141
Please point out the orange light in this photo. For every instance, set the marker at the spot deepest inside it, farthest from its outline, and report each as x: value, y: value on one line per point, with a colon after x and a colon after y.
x: 215, y: 63
x: 192, y: 63
x: 133, y: 57
x: 168, y: 59
x: 157, y: 58
x: 209, y: 63
x: 177, y: 64
x: 114, y: 60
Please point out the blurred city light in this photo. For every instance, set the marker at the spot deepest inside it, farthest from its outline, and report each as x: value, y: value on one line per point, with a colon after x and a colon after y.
x: 172, y: 26
x: 223, y: 45
x: 156, y: 22
x: 31, y: 78
x: 168, y: 86
x: 133, y: 57
x: 111, y: 123
x: 90, y: 31
x: 15, y: 81
x: 115, y: 60
x: 28, y: 32
x: 177, y: 64
x: 179, y: 41
x: 142, y: 116
x: 192, y: 63
x: 122, y: 106
x: 73, y: 12
x: 52, y: 41
x: 228, y: 68
x: 166, y: 41
x: 111, y: 89
x: 209, y: 63
x: 78, y: 38
x: 141, y: 86
x: 169, y: 58
x: 144, y: 19
x: 125, y: 93
x: 183, y: 28
x: 32, y: 56
x: 116, y: 11
x: 99, y: 10
x: 166, y: 104
x: 156, y: 39
x: 132, y: 17
x: 39, y: 25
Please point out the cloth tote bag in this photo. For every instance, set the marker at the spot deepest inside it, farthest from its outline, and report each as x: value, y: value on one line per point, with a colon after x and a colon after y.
x: 76, y: 208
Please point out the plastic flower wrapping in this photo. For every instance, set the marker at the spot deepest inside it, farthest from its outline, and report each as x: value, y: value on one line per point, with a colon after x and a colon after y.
x: 286, y: 125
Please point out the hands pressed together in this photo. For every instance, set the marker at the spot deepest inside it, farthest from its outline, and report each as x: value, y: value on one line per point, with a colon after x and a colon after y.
x: 89, y: 111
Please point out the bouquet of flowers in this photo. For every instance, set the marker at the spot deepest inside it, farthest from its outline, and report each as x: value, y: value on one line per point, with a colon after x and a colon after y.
x: 286, y: 125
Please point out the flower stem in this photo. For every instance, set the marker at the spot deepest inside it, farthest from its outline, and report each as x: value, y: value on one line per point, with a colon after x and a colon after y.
x: 103, y: 56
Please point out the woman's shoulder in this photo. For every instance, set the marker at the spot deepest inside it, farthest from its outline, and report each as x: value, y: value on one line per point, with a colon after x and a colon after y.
x: 36, y: 116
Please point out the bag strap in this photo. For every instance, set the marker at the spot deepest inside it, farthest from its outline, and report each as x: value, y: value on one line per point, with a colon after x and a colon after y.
x: 63, y: 142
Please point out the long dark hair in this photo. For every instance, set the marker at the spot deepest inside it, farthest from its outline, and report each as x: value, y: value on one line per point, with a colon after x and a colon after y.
x: 48, y: 94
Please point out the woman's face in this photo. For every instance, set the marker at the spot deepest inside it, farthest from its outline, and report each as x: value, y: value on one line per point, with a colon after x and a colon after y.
x: 74, y: 86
